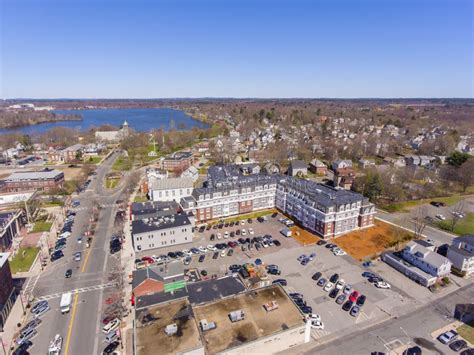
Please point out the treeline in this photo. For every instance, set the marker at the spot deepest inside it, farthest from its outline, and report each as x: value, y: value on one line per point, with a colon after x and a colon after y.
x: 16, y: 119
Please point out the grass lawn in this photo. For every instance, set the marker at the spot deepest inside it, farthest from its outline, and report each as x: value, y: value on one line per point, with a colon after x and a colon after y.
x: 122, y: 164
x: 252, y: 215
x: 369, y: 242
x: 467, y: 332
x: 23, y: 260
x: 93, y: 160
x: 463, y: 226
x: 42, y: 227
x: 140, y: 198
x: 111, y: 183
x: 407, y: 205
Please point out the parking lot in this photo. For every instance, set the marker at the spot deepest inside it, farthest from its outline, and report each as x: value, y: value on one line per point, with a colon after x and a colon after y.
x: 379, y: 302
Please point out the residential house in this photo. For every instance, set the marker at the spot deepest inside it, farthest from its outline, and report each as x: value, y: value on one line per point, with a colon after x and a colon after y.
x: 298, y: 168
x: 341, y: 164
x: 318, y: 167
x: 461, y: 254
x: 366, y: 163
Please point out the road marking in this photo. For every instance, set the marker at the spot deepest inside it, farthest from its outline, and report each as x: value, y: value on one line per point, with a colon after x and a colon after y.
x: 30, y: 286
x: 71, y: 324
x: 77, y: 291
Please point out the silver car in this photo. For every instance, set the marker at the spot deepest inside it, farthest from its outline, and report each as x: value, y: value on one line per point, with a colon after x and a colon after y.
x: 26, y: 336
x: 77, y: 256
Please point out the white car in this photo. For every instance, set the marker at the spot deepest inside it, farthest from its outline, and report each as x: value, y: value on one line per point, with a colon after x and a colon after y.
x: 226, y: 235
x: 202, y: 249
x: 339, y: 253
x: 317, y: 324
x: 313, y: 316
x: 211, y: 247
x: 382, y: 284
x: 111, y: 326
x: 219, y: 236
x: 340, y: 284
x: 328, y: 286
x: 251, y: 231
x: 65, y: 235
x: 441, y: 217
x: 242, y: 222
x: 347, y: 289
x: 223, y: 253
x: 187, y: 252
x: 244, y: 232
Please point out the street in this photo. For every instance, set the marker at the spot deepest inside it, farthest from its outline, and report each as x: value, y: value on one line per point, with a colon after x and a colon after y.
x: 81, y: 326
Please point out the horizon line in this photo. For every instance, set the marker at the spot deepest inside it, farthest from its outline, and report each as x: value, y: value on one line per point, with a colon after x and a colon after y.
x: 238, y: 98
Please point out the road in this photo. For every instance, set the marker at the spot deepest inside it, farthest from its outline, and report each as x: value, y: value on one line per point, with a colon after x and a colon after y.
x: 409, y: 329
x: 81, y: 326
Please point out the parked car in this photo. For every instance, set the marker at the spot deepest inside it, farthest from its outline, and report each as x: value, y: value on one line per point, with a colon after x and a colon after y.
x: 361, y: 300
x: 321, y: 242
x: 355, y: 311
x: 282, y: 282
x: 448, y: 336
x: 334, y: 278
x: 77, y: 256
x: 328, y: 286
x: 25, y: 336
x: 458, y: 345
x: 340, y: 299
x: 316, y: 276
x: 333, y: 293
x: 111, y: 326
x: 354, y: 296
x: 68, y: 273
x: 215, y: 255
x: 347, y: 306
x: 111, y: 347
x: 321, y: 282
x: 347, y: 289
x: 277, y: 243
x: 382, y: 284
x: 414, y: 350
x: 201, y: 258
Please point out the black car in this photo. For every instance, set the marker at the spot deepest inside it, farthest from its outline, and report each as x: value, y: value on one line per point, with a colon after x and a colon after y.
x: 347, y: 306
x: 23, y: 347
x: 57, y: 255
x: 334, y: 278
x: 250, y: 220
x: 234, y: 267
x: 241, y: 240
x: 458, y: 345
x: 237, y: 232
x: 226, y: 225
x: 368, y: 274
x: 415, y: 350
x: 213, y: 237
x: 201, y: 258
x: 274, y: 271
x: 172, y: 255
x: 321, y: 242
x: 230, y: 252
x: 180, y: 254
x: 203, y: 272
x: 244, y: 273
x: 114, y: 250
x: 329, y: 245
x: 307, y: 310
x: 321, y: 282
x: 316, y: 276
x: 282, y: 282
x: 374, y: 279
x: 277, y: 243
x: 68, y: 273
x: 232, y: 234
x: 469, y: 351
x: 111, y: 347
x: 361, y: 300
x: 333, y: 293
x: 215, y: 255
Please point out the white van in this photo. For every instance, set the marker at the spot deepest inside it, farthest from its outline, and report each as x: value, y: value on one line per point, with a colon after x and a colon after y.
x: 66, y: 301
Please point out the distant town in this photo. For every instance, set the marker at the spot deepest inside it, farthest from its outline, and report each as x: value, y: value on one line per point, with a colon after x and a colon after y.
x: 280, y: 226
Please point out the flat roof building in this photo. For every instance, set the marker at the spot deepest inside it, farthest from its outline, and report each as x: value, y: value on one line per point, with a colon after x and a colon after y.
x: 44, y: 180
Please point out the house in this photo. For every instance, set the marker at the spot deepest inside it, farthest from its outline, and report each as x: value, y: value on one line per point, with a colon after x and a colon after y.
x: 192, y: 172
x: 44, y: 180
x: 344, y: 177
x: 250, y: 168
x: 161, y: 232
x: 71, y: 153
x: 8, y: 293
x: 158, y: 278
x: 298, y: 168
x: 461, y: 254
x: 341, y: 164
x: 366, y: 163
x: 318, y: 167
x: 172, y: 189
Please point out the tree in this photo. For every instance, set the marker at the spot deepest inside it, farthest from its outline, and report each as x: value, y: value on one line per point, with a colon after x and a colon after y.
x: 457, y: 158
x: 420, y: 221
x: 370, y: 185
x: 457, y: 213
x: 465, y: 174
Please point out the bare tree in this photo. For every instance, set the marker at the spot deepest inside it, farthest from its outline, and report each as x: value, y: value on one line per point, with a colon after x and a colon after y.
x: 457, y: 213
x: 420, y: 221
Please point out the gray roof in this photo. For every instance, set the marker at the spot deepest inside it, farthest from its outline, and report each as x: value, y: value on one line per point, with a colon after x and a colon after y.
x: 214, y: 289
x: 74, y: 148
x: 298, y: 164
x: 171, y: 183
x: 45, y: 174
x: 423, y: 243
x: 179, y: 156
x: 160, y: 297
x: 157, y: 208
x: 466, y: 238
x: 159, y: 223
x: 430, y: 257
x: 3, y: 258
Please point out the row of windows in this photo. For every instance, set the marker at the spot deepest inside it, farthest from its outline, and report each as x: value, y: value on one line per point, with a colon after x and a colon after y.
x: 173, y: 192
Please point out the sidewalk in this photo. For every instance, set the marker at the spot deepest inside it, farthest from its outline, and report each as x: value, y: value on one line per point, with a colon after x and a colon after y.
x: 10, y: 328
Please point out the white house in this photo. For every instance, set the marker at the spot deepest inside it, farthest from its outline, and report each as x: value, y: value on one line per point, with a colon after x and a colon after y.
x: 430, y: 262
x: 172, y: 189
x: 461, y: 254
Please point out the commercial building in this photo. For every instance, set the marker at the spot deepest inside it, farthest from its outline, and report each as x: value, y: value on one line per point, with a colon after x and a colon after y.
x: 10, y: 224
x: 7, y: 290
x: 141, y: 210
x: 44, y: 180
x: 177, y: 162
x: 158, y: 232
x: 238, y: 322
x: 172, y: 189
x: 326, y: 211
x: 419, y: 263
x: 461, y: 254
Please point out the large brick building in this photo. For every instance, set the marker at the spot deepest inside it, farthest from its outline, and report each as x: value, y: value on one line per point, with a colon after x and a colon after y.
x: 324, y: 210
x: 44, y: 180
x: 177, y: 162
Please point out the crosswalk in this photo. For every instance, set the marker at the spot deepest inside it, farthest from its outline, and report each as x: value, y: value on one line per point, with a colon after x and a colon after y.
x: 30, y: 285
x: 77, y: 209
x: 77, y: 290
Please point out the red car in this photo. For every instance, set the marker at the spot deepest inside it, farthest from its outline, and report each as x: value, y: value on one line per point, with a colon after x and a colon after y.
x: 148, y: 259
x: 354, y: 296
x: 232, y: 244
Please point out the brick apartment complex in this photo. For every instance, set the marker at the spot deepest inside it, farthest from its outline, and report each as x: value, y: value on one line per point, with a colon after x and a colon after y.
x: 324, y: 210
x: 7, y: 290
x: 177, y: 162
x: 44, y: 180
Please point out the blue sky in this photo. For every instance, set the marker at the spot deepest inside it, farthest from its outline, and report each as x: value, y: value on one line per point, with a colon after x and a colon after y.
x: 227, y: 48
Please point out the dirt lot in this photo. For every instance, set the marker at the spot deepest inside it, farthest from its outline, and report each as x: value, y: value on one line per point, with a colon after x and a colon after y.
x: 370, y: 242
x: 303, y: 236
x: 72, y: 173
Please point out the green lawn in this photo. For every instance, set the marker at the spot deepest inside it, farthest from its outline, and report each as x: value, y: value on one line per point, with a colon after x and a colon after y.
x: 93, y: 160
x: 23, y: 260
x: 463, y: 226
x: 140, y: 198
x: 111, y: 183
x: 252, y: 215
x: 122, y: 164
x: 467, y: 332
x: 42, y: 227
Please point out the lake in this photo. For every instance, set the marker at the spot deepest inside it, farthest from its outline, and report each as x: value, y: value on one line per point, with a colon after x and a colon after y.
x: 139, y: 119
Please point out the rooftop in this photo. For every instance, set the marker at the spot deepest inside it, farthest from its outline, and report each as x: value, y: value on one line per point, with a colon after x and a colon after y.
x: 34, y: 175
x: 466, y: 238
x: 159, y: 208
x: 150, y: 329
x: 3, y: 258
x: 257, y: 323
x: 171, y: 183
x: 179, y: 156
x: 158, y: 223
x: 427, y: 255
x: 298, y: 164
x: 214, y: 289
